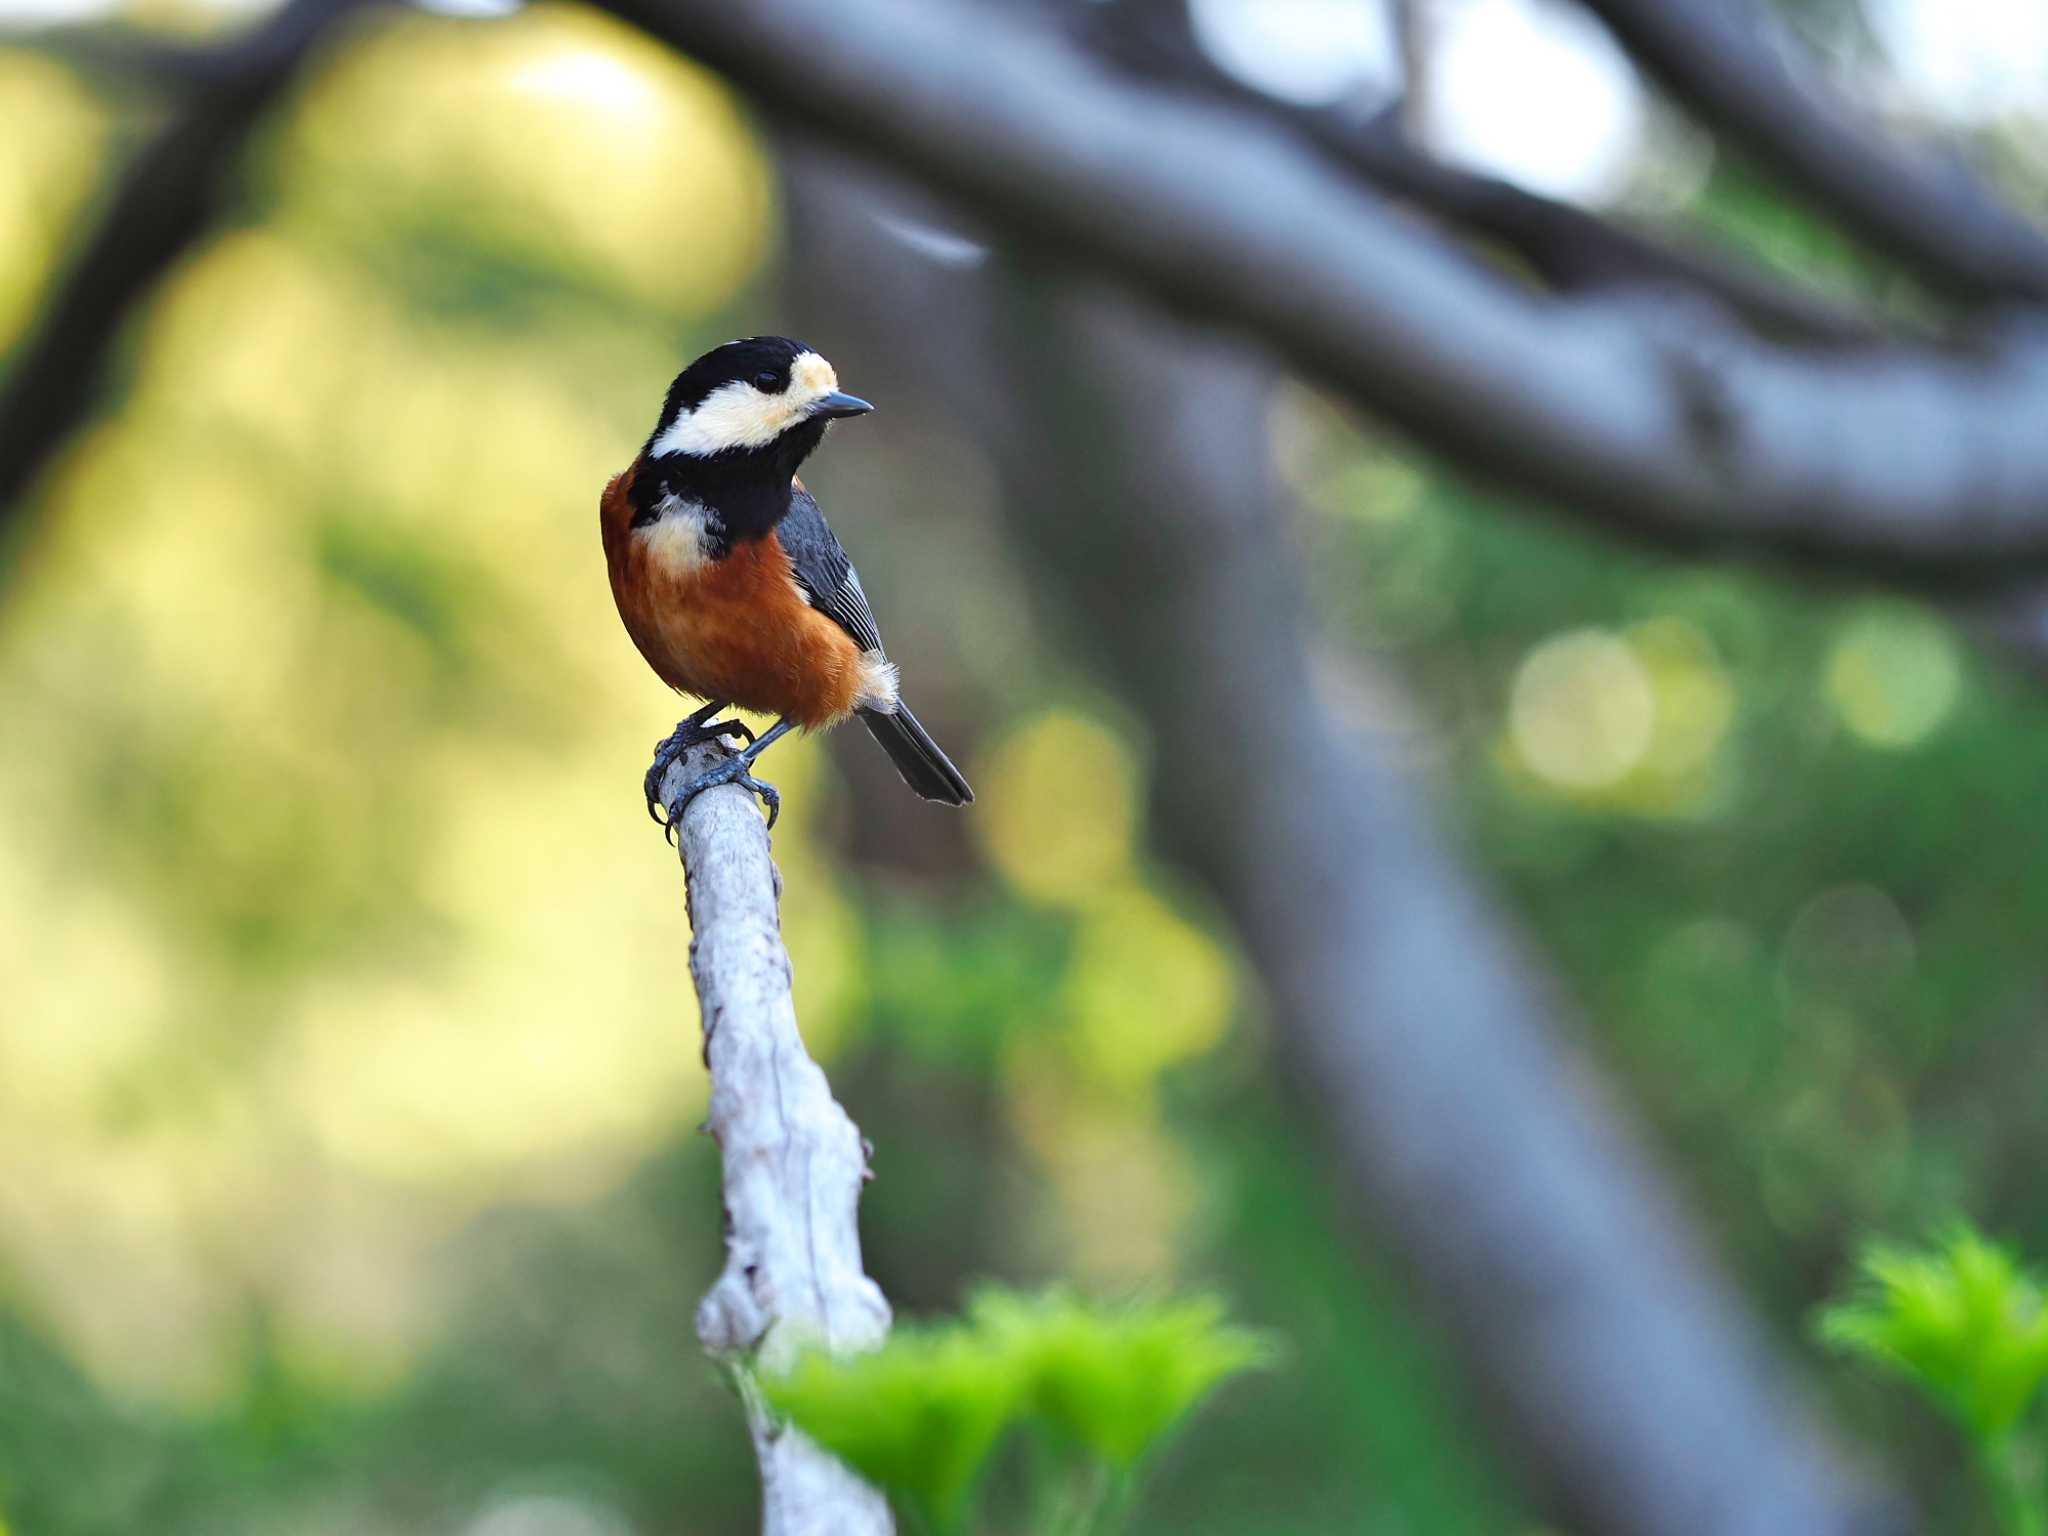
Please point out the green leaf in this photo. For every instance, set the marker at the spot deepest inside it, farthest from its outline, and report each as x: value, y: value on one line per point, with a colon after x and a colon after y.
x: 1116, y: 1377
x: 918, y: 1417
x: 1964, y: 1321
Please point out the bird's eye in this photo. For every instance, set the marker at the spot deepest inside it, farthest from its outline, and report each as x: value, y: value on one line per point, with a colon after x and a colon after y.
x: 766, y: 382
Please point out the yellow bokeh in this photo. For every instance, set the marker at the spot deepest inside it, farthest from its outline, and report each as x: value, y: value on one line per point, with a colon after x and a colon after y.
x: 46, y: 176
x: 87, y: 987
x: 1058, y: 818
x: 1583, y: 711
x: 1695, y: 698
x: 1631, y: 721
x: 329, y: 912
x: 1145, y: 989
x: 1371, y: 488
x: 1123, y: 1189
x: 593, y: 147
x: 1893, y: 675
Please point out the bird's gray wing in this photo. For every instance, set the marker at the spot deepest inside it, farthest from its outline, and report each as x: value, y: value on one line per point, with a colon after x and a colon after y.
x: 827, y: 577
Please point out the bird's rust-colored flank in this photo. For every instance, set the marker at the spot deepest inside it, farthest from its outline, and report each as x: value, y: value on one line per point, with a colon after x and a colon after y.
x: 736, y: 629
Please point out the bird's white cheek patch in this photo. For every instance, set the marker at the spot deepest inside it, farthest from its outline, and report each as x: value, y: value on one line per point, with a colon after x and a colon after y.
x: 680, y: 539
x: 739, y: 416
x: 878, y: 686
x: 732, y: 416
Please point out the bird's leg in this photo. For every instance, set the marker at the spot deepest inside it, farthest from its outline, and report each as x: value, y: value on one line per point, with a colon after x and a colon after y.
x: 690, y: 733
x: 736, y: 770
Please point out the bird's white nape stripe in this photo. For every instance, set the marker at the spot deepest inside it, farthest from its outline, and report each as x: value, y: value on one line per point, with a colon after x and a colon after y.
x: 680, y: 538
x: 737, y: 415
x: 879, y: 689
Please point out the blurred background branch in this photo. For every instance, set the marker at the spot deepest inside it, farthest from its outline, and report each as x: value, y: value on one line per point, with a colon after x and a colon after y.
x: 1735, y: 65
x: 1642, y: 410
x: 1567, y: 247
x: 164, y: 200
x: 1648, y: 416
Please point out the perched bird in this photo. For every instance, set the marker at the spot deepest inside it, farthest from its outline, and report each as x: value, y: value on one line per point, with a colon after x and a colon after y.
x: 731, y: 584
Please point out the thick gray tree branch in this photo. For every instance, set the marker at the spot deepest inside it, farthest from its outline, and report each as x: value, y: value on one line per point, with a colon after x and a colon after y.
x: 1622, y: 1367
x: 794, y: 1163
x: 1649, y: 414
x: 1568, y: 248
x: 1606, y: 1336
x: 1653, y: 417
x: 1733, y: 64
x: 166, y: 198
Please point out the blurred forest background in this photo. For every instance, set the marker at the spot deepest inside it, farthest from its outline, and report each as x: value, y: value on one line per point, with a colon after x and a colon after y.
x: 349, y: 1084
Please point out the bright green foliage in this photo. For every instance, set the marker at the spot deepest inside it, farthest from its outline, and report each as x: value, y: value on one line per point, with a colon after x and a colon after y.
x: 1965, y: 1323
x: 1116, y: 1378
x: 921, y: 1416
x: 918, y: 1417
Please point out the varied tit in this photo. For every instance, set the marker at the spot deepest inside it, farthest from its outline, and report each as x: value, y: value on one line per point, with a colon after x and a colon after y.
x: 731, y: 584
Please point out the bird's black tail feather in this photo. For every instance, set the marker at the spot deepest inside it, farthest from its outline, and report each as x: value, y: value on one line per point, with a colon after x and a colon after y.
x: 917, y: 757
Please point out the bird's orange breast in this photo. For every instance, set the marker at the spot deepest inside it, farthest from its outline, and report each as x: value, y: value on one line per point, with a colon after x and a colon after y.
x: 736, y: 629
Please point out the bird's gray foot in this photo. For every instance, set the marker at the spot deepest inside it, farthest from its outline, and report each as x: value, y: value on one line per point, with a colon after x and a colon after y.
x: 734, y: 770
x: 689, y: 733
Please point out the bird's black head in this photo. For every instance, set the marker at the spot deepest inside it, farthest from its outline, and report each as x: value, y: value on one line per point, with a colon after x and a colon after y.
x: 757, y: 406
x: 736, y: 424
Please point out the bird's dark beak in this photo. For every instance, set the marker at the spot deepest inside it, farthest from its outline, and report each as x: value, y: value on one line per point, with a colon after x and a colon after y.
x: 840, y: 405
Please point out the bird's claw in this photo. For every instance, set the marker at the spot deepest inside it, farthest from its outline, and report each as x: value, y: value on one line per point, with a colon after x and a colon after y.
x: 734, y: 770
x: 688, y: 734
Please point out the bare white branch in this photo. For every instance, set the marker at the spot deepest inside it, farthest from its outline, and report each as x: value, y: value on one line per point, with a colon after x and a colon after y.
x: 794, y: 1162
